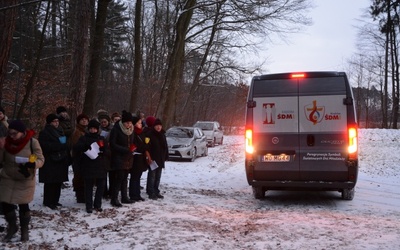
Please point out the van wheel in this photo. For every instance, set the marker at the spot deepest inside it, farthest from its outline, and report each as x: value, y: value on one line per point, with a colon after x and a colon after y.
x: 258, y: 192
x: 348, y: 194
x: 212, y: 143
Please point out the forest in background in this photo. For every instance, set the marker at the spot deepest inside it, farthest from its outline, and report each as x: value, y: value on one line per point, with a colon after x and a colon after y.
x: 174, y: 59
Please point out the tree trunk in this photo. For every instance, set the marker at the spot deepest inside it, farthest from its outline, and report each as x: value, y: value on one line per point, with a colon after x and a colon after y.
x: 32, y: 79
x: 137, y: 58
x: 167, y: 103
x: 96, y: 58
x: 81, y: 8
x: 7, y: 27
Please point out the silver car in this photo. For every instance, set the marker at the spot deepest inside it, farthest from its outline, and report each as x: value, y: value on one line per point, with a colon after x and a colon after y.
x: 186, y: 143
x: 212, y: 130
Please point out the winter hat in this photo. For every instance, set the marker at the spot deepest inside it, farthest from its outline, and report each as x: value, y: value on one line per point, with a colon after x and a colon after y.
x: 101, y: 112
x: 135, y: 119
x: 126, y: 116
x: 50, y: 118
x: 104, y: 116
x: 150, y: 121
x: 116, y: 114
x: 157, y: 122
x: 80, y: 117
x: 60, y: 109
x: 93, y: 124
x: 17, y: 125
x: 2, y: 110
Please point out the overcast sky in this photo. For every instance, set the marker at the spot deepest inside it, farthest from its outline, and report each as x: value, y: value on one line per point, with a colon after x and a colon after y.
x: 326, y: 45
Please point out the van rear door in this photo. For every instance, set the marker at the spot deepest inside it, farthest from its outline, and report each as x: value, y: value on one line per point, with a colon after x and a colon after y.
x: 323, y: 128
x: 275, y: 126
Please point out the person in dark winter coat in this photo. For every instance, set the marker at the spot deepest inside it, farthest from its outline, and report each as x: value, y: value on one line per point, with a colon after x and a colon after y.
x: 122, y: 147
x: 65, y: 122
x: 55, y: 169
x: 139, y: 161
x: 82, y: 121
x: 158, y: 148
x: 93, y: 171
x: 18, y: 180
x: 105, y: 129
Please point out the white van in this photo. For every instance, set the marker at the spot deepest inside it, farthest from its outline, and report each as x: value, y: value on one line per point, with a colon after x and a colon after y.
x: 301, y: 133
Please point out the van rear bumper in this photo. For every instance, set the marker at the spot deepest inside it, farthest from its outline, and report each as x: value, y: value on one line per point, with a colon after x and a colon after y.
x: 292, y: 185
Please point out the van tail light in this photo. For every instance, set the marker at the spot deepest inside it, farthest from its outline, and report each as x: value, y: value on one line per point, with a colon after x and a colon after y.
x: 353, y: 144
x: 249, y: 141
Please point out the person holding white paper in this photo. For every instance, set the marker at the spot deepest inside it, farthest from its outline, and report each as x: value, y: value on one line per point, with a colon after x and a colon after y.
x: 18, y: 180
x: 92, y: 167
x: 158, y: 149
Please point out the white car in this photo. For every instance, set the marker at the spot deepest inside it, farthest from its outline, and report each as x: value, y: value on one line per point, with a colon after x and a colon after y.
x: 212, y: 130
x: 186, y: 143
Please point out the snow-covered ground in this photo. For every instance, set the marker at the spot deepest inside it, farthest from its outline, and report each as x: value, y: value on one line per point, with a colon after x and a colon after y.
x: 209, y: 205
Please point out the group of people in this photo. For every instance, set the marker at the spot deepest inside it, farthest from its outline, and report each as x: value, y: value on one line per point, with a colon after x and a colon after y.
x: 107, y: 153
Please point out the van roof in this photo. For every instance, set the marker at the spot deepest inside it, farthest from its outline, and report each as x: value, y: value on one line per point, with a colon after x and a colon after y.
x: 306, y: 74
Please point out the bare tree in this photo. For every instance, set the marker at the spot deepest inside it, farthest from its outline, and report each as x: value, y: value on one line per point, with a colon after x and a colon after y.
x: 137, y: 56
x: 96, y: 56
x: 81, y: 8
x: 8, y: 15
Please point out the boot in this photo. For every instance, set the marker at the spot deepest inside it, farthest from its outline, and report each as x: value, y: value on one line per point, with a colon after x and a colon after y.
x: 24, y: 219
x: 114, y: 198
x: 124, y: 195
x: 12, y: 229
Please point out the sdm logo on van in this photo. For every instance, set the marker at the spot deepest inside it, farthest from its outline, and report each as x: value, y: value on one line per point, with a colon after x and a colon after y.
x: 314, y: 113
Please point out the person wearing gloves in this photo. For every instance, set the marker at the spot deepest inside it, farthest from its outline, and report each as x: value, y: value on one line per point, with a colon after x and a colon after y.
x: 139, y: 160
x: 55, y: 169
x: 94, y: 170
x: 122, y: 147
x: 21, y: 156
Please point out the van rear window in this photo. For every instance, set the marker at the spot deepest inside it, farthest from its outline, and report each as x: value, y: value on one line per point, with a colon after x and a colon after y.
x: 304, y: 86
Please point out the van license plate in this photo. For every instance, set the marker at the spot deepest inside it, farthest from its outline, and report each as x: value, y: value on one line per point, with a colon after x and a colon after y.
x: 276, y: 158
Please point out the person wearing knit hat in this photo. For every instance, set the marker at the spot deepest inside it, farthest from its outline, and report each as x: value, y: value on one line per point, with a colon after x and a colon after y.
x: 65, y: 122
x: 61, y: 109
x: 150, y: 121
x: 82, y: 121
x: 57, y: 154
x: 18, y: 181
x: 50, y: 118
x: 94, y: 124
x: 115, y: 117
x: 80, y: 117
x: 93, y: 171
x: 157, y: 122
x: 126, y: 116
x: 17, y: 125
x: 158, y: 149
x: 122, y: 147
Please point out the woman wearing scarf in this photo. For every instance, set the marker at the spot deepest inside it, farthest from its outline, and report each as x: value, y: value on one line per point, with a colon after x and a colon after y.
x: 21, y: 156
x: 122, y: 147
x: 56, y: 152
x: 139, y: 160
